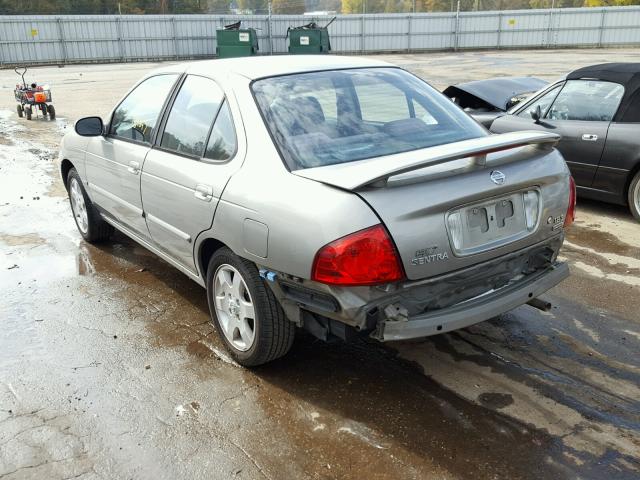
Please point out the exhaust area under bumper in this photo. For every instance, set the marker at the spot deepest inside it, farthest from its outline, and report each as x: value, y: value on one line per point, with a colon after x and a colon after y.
x: 475, y: 310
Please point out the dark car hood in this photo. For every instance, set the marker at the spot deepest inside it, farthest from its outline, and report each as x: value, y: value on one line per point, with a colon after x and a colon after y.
x: 496, y: 91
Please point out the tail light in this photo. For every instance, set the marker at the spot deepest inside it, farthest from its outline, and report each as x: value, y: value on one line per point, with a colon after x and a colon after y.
x: 367, y: 257
x: 571, y: 209
x: 40, y: 97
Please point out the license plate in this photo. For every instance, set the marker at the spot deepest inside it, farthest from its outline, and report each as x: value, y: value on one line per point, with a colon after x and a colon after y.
x: 483, y: 226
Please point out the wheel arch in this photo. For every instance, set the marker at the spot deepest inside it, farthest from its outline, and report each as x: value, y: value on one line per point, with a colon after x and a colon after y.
x: 207, y: 248
x: 632, y: 174
x: 65, y: 166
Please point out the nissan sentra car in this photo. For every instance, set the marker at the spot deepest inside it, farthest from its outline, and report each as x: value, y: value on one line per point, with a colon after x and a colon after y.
x: 341, y: 195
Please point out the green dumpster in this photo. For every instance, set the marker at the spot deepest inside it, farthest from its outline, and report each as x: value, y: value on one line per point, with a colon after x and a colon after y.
x: 234, y: 41
x: 309, y: 38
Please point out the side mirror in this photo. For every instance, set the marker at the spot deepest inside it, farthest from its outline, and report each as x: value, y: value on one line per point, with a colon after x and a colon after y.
x: 90, y: 127
x: 536, y: 114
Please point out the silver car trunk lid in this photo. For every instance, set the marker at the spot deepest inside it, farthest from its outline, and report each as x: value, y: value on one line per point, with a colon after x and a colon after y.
x: 455, y: 205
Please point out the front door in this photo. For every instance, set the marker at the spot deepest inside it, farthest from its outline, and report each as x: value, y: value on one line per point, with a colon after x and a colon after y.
x: 185, y: 173
x: 114, y: 161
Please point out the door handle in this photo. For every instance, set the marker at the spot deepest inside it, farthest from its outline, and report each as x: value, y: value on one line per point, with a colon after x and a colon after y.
x: 589, y: 137
x: 134, y: 167
x: 203, y: 192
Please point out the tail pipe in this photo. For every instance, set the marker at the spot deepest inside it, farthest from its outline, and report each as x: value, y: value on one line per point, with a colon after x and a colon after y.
x: 540, y: 304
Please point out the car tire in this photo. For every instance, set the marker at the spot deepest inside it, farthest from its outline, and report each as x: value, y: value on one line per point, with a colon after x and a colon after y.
x: 269, y: 335
x: 634, y: 196
x: 27, y: 112
x: 52, y: 112
x: 89, y: 222
x: 20, y: 111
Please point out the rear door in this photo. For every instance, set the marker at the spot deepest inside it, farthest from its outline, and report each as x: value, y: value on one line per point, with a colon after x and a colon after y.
x: 114, y: 161
x: 188, y: 168
x: 580, y: 111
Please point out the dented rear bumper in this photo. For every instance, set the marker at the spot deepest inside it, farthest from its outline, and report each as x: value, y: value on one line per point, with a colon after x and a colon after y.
x: 474, y: 310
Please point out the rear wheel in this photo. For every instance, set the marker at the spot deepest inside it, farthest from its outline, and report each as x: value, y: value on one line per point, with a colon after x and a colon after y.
x: 90, y: 225
x: 27, y: 111
x: 20, y: 111
x: 52, y: 112
x: 634, y: 196
x: 245, y: 312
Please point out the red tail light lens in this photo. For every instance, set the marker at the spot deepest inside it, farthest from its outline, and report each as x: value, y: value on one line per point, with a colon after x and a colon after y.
x: 571, y: 210
x: 367, y: 257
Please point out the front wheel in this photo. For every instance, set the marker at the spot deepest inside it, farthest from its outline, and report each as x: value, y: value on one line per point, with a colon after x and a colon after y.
x: 634, y: 196
x: 245, y: 312
x: 90, y: 225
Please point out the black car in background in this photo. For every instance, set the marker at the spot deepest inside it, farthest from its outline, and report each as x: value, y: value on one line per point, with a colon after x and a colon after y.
x: 596, y: 110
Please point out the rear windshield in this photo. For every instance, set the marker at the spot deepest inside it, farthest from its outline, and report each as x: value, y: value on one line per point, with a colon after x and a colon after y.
x: 324, y: 118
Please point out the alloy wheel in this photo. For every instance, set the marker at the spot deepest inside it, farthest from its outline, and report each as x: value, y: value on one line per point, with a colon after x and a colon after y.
x: 234, y: 307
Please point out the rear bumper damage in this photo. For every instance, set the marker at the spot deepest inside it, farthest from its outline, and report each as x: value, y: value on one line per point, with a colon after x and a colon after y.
x: 475, y: 310
x: 425, y: 307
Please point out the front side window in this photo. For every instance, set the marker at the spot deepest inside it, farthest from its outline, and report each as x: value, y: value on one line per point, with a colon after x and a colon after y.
x: 137, y: 115
x: 191, y: 116
x: 377, y: 112
x: 586, y: 100
x: 544, y: 102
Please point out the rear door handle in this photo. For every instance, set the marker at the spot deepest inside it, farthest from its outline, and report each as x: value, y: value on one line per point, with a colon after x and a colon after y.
x: 589, y: 137
x: 134, y: 167
x: 203, y: 192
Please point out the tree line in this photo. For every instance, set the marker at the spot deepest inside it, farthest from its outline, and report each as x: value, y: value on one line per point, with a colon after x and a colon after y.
x: 79, y: 7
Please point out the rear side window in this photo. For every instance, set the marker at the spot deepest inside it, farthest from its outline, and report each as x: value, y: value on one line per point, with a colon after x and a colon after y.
x: 586, y: 100
x: 191, y: 116
x: 222, y: 142
x: 377, y: 112
x: 137, y: 115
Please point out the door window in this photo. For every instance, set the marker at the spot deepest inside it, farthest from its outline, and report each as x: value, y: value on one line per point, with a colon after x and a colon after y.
x: 544, y: 102
x: 137, y: 115
x: 587, y: 100
x: 222, y: 142
x: 191, y: 116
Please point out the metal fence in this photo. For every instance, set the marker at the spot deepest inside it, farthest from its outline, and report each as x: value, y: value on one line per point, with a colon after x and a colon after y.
x: 115, y: 38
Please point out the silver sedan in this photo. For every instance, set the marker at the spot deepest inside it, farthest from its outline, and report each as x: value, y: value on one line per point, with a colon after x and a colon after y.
x: 340, y: 195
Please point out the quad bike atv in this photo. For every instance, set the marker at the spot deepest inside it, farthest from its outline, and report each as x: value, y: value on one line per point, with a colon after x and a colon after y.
x: 32, y: 97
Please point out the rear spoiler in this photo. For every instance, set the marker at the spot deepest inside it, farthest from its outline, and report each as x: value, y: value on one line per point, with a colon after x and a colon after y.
x: 376, y: 171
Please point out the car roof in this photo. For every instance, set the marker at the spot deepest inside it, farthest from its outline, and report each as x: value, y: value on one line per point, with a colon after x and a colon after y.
x: 273, y: 65
x: 623, y: 73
